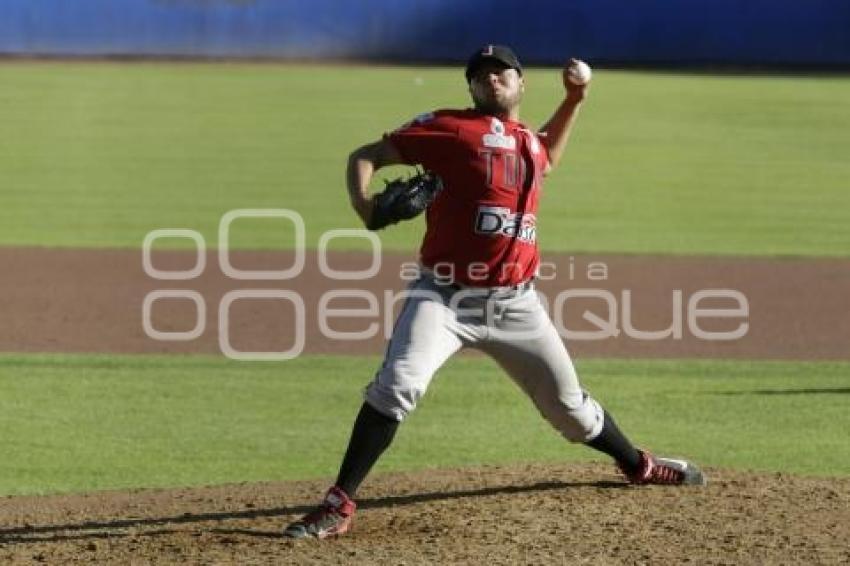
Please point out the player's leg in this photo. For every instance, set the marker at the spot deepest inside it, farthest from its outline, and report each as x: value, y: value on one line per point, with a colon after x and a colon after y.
x: 425, y: 336
x: 371, y: 435
x: 527, y: 345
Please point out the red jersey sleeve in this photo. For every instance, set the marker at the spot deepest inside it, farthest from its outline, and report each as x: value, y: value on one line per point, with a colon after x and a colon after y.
x: 537, y: 147
x: 426, y: 140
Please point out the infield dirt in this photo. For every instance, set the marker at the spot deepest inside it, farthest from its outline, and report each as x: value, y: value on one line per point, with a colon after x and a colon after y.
x: 534, y: 514
x: 91, y: 301
x: 65, y: 300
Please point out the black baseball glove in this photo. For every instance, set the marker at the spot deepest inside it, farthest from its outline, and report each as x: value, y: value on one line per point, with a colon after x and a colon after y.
x: 403, y: 199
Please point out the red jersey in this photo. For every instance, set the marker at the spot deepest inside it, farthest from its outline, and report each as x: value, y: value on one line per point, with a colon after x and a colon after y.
x: 482, y: 227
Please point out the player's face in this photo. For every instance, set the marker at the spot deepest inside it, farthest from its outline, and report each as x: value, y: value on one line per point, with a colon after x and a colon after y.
x: 495, y: 88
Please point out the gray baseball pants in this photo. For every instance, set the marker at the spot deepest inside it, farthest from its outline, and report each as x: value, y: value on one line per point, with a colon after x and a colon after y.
x: 510, y: 325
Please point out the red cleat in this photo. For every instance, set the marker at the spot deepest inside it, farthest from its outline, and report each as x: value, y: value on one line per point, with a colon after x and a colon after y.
x: 333, y: 517
x: 665, y: 471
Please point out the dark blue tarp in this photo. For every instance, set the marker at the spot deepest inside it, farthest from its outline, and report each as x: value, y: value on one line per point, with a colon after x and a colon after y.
x: 749, y: 32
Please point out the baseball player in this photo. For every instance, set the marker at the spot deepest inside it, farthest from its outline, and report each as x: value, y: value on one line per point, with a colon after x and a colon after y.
x: 478, y: 262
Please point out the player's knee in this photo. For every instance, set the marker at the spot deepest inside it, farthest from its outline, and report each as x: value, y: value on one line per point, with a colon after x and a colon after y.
x: 578, y: 418
x: 394, y: 397
x: 388, y: 409
x: 390, y: 402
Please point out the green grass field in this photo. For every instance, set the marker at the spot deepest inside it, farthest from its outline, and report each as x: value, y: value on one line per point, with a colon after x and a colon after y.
x: 98, y: 154
x: 77, y: 423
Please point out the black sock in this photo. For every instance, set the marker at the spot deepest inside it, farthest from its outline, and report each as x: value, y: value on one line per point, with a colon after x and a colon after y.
x: 612, y: 442
x: 372, y: 434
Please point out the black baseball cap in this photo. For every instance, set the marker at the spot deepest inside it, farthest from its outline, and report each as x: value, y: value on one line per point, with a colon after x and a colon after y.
x: 501, y: 53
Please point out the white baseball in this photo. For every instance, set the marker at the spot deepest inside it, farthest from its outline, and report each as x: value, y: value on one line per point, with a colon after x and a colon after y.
x: 579, y: 73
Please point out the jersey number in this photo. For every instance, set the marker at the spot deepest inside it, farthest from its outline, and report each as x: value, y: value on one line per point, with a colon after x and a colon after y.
x: 510, y: 173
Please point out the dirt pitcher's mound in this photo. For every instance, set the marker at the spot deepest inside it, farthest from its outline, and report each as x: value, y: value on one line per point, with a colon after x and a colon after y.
x: 533, y: 514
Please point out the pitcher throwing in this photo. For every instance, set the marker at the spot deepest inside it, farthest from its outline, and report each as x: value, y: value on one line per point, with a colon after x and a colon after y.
x: 478, y: 262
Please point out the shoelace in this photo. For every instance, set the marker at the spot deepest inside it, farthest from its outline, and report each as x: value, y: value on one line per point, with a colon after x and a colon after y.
x: 665, y: 474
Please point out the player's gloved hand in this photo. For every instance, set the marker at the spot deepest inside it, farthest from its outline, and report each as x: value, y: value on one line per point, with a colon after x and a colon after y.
x: 403, y: 199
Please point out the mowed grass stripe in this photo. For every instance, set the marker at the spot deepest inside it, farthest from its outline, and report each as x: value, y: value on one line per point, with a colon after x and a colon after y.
x: 99, y: 154
x: 80, y: 423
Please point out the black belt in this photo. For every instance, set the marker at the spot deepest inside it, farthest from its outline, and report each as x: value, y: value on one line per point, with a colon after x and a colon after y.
x: 489, y: 291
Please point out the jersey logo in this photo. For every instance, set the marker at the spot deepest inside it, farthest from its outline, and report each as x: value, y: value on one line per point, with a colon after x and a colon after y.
x: 497, y: 137
x: 501, y: 221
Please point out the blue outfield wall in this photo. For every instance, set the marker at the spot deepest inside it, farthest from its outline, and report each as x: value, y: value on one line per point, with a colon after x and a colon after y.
x: 746, y: 32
